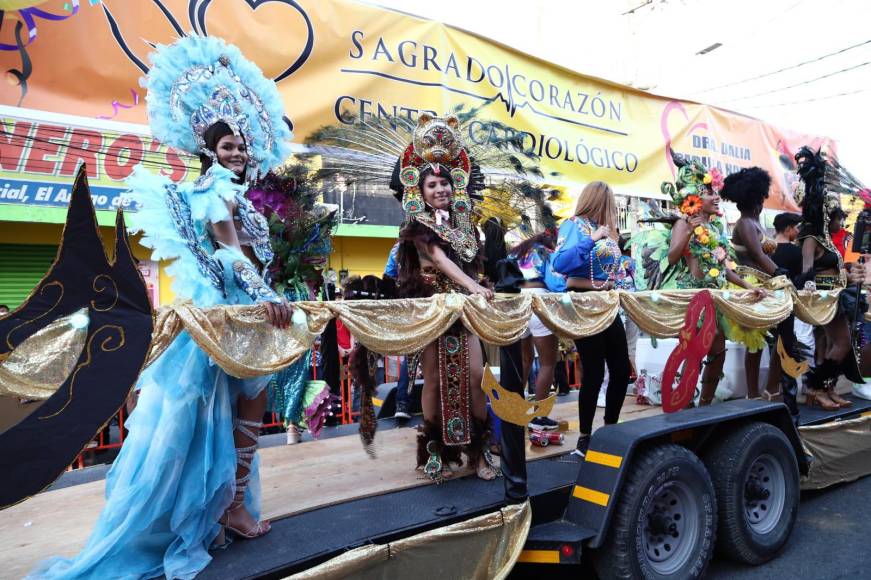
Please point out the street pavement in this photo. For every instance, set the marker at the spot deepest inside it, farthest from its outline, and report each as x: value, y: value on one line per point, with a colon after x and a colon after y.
x: 831, y: 540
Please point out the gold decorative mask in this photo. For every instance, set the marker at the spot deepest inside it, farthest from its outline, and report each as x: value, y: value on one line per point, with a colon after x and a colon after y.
x: 789, y: 365
x: 436, y: 139
x: 511, y: 407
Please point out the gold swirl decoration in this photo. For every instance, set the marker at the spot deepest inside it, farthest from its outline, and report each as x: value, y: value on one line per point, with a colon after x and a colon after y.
x: 78, y: 343
x: 42, y: 290
x: 106, y: 345
x: 242, y: 342
x: 99, y: 289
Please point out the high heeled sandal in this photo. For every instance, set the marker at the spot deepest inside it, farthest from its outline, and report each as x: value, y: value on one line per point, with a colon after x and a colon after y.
x: 820, y: 399
x: 245, y: 457
x: 772, y: 397
x: 489, y: 470
x: 838, y: 399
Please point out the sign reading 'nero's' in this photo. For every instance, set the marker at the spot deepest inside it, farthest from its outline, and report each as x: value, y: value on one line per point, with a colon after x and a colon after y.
x: 37, y: 159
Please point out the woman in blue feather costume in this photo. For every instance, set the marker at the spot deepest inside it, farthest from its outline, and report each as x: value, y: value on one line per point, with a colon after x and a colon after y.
x: 188, y: 469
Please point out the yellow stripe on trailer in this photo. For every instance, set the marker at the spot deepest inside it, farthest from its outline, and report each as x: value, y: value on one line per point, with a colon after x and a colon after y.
x: 591, y: 495
x: 539, y: 557
x: 605, y: 459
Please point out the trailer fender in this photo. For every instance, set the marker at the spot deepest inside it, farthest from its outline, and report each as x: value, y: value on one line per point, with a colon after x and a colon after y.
x: 612, y: 448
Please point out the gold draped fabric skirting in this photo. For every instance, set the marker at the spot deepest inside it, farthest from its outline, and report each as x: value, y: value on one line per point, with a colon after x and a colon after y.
x: 480, y: 548
x: 241, y: 341
x: 841, y: 452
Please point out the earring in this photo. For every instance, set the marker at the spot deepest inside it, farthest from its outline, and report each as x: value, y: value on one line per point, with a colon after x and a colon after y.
x: 412, y: 202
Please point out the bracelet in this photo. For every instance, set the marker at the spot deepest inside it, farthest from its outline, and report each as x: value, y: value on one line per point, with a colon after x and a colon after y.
x: 252, y: 284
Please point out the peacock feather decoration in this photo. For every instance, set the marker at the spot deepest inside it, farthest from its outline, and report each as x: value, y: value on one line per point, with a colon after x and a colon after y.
x: 505, y: 181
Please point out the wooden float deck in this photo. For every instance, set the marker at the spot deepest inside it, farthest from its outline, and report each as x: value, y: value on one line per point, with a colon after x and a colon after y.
x: 295, y: 479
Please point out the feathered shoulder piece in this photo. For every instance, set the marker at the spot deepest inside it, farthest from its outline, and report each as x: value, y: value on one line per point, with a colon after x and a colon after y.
x: 172, y: 219
x: 200, y: 80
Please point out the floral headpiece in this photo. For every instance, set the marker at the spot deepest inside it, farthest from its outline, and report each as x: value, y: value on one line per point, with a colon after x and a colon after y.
x: 692, y: 181
x: 200, y: 80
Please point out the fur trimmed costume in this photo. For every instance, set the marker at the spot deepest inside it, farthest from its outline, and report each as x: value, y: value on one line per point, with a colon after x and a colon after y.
x: 436, y: 148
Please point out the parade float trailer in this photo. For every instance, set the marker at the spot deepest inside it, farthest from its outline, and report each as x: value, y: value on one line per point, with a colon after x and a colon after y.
x: 652, y: 498
x: 336, y: 513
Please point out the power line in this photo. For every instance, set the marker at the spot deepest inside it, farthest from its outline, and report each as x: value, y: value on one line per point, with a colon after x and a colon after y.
x: 644, y: 4
x: 845, y: 94
x: 825, y: 76
x: 778, y: 71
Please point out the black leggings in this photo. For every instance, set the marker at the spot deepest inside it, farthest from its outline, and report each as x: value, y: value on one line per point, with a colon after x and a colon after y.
x: 609, y: 346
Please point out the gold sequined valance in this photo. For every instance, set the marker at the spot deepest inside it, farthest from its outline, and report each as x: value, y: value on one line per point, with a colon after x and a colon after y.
x: 241, y: 341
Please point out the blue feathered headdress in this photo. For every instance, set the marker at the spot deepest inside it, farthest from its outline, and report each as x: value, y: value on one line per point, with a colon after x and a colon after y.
x: 200, y: 80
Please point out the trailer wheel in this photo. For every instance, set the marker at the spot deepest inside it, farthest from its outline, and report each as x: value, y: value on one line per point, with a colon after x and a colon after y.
x: 664, y: 521
x: 755, y: 473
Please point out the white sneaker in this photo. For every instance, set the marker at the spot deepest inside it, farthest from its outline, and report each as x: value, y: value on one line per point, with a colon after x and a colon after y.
x: 862, y: 391
x: 294, y: 435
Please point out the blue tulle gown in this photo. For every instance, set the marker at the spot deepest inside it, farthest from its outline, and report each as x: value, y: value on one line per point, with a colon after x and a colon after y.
x: 175, y: 474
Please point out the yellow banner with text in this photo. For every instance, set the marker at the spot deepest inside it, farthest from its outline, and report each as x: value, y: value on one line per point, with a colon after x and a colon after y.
x: 334, y: 60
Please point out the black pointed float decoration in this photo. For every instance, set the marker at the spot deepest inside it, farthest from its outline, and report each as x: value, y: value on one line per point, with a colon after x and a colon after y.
x: 37, y: 449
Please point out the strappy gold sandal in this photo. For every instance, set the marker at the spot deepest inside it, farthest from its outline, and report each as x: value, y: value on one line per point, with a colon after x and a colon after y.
x: 244, y: 457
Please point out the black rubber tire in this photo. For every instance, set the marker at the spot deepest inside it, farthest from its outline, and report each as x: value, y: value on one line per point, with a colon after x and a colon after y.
x: 729, y: 461
x: 623, y: 555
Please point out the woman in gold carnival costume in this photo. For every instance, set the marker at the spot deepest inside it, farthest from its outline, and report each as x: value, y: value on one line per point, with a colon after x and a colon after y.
x: 188, y: 469
x: 439, y: 252
x: 748, y: 190
x: 823, y: 269
x: 700, y: 249
x: 588, y: 253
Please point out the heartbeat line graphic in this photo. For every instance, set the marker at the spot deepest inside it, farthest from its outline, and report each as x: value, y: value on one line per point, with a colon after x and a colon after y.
x: 511, y: 106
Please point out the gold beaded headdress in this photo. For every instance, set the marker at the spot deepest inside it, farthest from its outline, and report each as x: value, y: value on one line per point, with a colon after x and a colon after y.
x: 436, y: 144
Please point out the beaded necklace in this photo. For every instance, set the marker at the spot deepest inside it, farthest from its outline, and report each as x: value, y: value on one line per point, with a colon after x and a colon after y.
x: 463, y: 242
x: 609, y: 270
